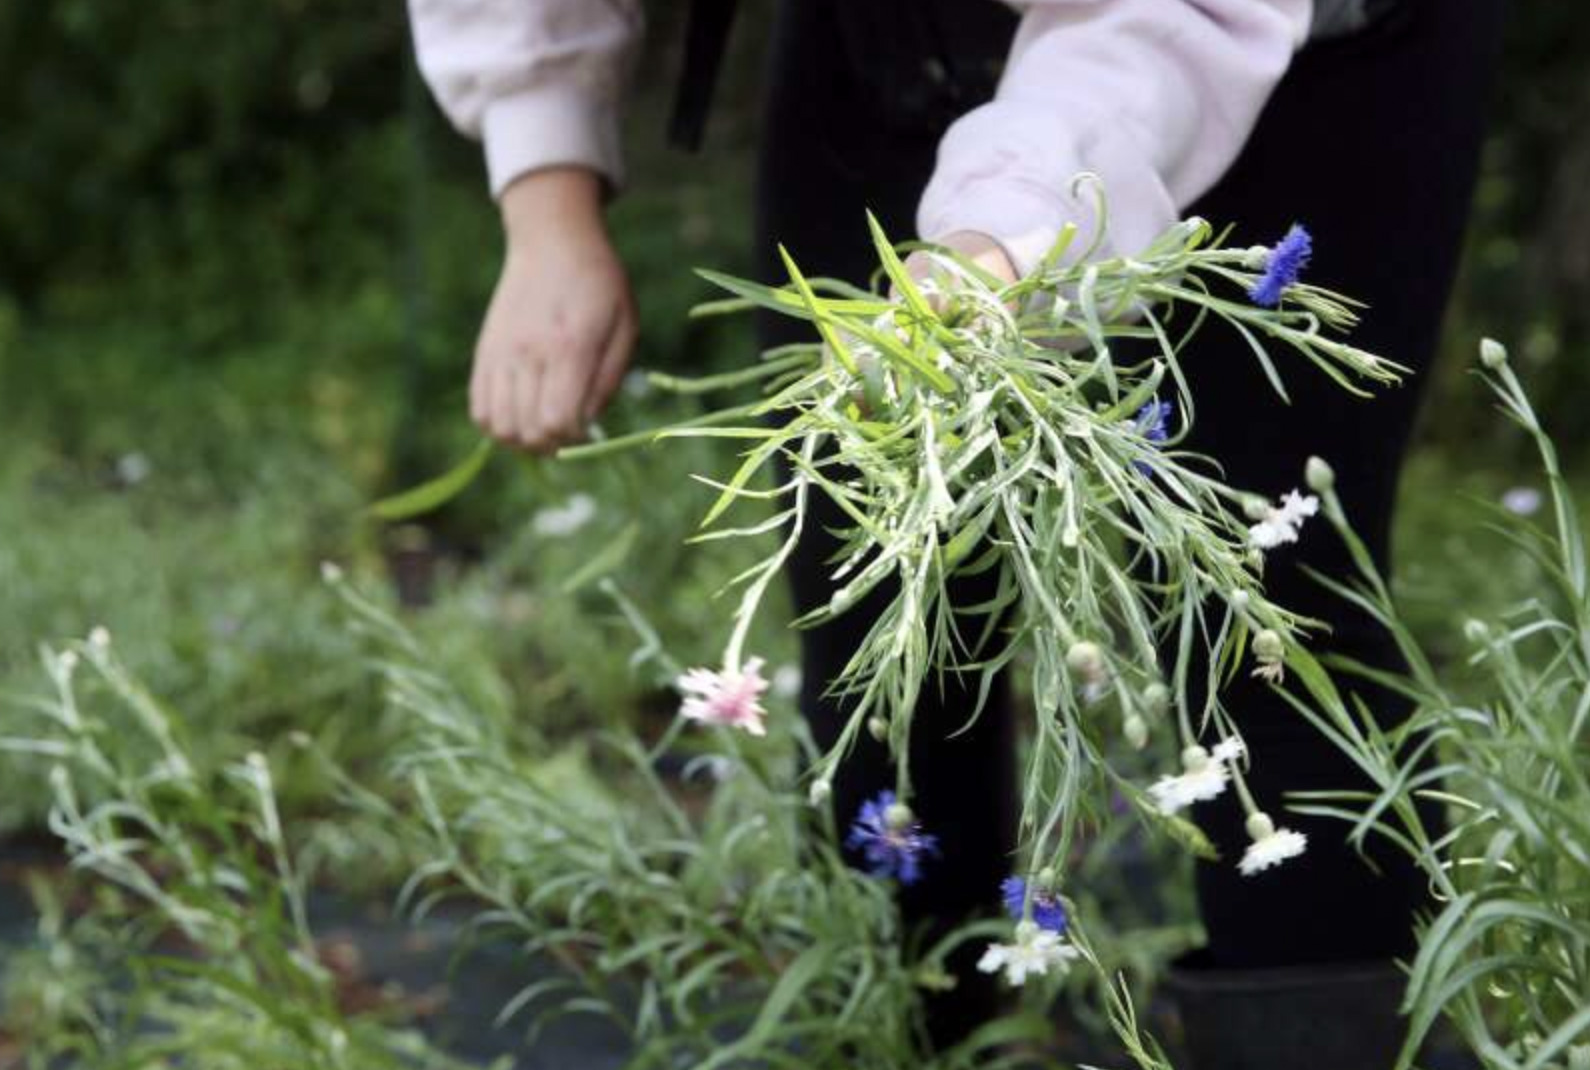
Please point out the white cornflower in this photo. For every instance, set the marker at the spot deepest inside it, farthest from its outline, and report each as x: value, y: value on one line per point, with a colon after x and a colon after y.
x: 1229, y: 750
x: 1280, y: 524
x: 1033, y: 954
x: 1271, y: 846
x: 1202, y: 778
x: 565, y: 519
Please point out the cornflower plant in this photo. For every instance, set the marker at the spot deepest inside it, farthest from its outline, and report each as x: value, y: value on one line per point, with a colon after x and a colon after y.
x: 1490, y: 795
x: 711, y: 923
x: 197, y: 943
x: 965, y: 426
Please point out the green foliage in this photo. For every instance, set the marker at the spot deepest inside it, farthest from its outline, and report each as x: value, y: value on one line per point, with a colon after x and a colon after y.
x: 200, y: 904
x: 1506, y: 954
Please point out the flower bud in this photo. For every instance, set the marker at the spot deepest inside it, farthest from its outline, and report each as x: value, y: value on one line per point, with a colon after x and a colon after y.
x: 1194, y: 758
x: 1156, y: 698
x: 1259, y: 825
x: 1085, y: 659
x: 1318, y: 475
x: 1239, y: 600
x: 67, y: 660
x: 899, y: 816
x: 1268, y: 646
x: 819, y: 792
x: 1046, y: 880
x: 1135, y: 729
x: 330, y: 572
x: 1492, y: 353
x: 1475, y: 631
x: 98, y: 637
x: 1255, y: 508
x: 878, y: 728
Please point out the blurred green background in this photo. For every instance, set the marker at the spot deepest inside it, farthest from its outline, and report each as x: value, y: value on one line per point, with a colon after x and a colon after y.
x: 242, y: 262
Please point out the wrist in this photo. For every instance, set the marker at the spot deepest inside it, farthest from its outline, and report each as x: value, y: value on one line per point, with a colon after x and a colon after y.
x: 551, y: 198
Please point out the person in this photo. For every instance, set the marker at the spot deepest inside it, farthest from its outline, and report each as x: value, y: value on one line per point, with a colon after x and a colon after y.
x: 964, y: 122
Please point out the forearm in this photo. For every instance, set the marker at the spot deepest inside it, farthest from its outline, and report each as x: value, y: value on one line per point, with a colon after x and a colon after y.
x: 551, y: 200
x: 539, y: 81
x: 1155, y: 97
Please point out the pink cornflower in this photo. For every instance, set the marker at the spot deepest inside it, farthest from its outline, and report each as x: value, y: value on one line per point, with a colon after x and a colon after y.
x: 730, y: 697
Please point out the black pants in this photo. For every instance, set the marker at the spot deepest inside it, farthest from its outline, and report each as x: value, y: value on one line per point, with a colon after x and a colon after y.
x: 1372, y: 141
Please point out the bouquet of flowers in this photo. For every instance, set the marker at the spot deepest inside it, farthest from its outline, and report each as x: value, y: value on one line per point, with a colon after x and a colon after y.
x: 1031, y: 430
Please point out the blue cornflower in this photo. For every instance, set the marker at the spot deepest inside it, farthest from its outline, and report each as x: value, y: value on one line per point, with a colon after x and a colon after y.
x: 1153, y: 423
x: 1047, y: 910
x: 1282, y: 267
x: 891, y: 839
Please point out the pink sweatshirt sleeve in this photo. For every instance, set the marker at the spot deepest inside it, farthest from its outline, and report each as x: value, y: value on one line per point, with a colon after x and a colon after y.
x: 538, y: 81
x: 1156, y: 97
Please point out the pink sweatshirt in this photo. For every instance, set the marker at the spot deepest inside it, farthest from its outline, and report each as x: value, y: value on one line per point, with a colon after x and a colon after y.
x: 1156, y: 97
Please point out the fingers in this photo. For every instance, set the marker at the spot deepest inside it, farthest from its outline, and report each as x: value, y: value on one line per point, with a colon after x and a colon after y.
x: 527, y: 377
x: 608, y: 375
x: 564, y: 380
x: 540, y: 404
x: 507, y: 381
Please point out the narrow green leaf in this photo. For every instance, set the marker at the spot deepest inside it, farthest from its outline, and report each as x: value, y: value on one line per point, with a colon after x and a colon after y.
x: 435, y: 493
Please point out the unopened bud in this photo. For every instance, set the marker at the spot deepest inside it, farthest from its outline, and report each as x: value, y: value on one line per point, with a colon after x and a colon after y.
x: 1318, y: 475
x: 1156, y: 698
x: 1046, y: 880
x: 1255, y: 508
x: 1492, y: 353
x: 99, y: 638
x: 1085, y: 659
x: 1135, y: 729
x: 1194, y: 758
x: 1476, y: 631
x: 1260, y: 825
x: 1268, y: 646
x: 899, y: 816
x: 878, y: 728
x: 819, y: 792
x: 1239, y: 600
x: 330, y: 572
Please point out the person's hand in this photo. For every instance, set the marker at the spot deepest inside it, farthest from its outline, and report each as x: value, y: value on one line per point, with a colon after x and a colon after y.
x: 558, y: 334
x: 972, y: 245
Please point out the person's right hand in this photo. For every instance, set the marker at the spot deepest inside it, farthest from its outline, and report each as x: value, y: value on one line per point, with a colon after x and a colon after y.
x: 561, y: 325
